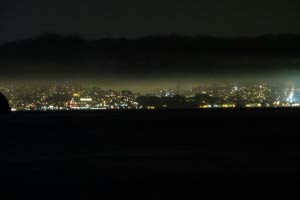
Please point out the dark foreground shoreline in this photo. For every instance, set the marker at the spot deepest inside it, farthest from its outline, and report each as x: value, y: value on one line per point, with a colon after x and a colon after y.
x: 151, y: 154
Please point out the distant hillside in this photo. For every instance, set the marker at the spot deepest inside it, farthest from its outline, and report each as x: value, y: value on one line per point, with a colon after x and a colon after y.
x: 53, y: 45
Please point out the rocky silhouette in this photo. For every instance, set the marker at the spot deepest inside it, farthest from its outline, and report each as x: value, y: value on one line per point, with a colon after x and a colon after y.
x: 4, y: 105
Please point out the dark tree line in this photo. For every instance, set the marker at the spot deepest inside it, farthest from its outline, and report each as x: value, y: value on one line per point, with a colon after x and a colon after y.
x: 178, y: 101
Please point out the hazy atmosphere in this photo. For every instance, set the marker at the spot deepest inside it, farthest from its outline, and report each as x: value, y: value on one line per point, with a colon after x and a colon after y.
x: 167, y: 41
x: 162, y: 48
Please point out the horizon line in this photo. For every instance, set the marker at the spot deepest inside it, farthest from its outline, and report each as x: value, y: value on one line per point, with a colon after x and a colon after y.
x: 161, y: 36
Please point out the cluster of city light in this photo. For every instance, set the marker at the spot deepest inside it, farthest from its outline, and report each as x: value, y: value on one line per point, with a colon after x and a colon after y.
x: 218, y: 106
x: 76, y: 97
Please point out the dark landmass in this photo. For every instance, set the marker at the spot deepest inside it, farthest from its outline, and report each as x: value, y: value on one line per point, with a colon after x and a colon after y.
x: 48, y: 45
x: 151, y: 154
x: 4, y: 104
x: 53, y: 55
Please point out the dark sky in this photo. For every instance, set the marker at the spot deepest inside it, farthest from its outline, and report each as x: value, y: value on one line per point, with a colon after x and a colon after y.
x: 133, y: 18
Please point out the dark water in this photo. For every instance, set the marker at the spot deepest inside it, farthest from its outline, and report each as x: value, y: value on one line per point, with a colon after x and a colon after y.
x: 151, y: 154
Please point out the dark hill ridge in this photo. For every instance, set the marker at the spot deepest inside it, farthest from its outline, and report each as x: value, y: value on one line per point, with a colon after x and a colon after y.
x: 167, y: 56
x: 158, y: 46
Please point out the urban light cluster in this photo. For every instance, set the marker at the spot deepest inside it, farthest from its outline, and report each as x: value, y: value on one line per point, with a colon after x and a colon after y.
x: 77, y: 97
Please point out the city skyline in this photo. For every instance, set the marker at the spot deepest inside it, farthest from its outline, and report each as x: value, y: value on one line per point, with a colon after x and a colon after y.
x: 69, y: 96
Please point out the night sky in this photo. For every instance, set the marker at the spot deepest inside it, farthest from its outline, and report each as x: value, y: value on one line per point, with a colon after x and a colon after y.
x: 134, y: 18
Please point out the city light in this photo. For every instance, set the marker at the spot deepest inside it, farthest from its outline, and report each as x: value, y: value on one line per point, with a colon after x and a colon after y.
x: 77, y: 97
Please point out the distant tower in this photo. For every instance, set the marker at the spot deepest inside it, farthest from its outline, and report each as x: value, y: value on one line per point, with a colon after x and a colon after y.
x: 4, y: 105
